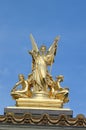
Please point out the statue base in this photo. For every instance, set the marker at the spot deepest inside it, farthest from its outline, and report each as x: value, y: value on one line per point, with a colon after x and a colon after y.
x: 38, y: 111
x: 39, y: 102
x: 39, y: 99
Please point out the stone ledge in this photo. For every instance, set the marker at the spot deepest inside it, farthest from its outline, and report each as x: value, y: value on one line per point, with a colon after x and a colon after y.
x: 38, y: 111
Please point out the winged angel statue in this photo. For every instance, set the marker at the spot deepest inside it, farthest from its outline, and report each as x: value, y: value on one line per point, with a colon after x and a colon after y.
x: 40, y: 79
x: 40, y: 60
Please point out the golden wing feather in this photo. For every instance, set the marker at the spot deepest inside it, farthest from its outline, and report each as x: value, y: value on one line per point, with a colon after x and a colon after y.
x: 34, y: 45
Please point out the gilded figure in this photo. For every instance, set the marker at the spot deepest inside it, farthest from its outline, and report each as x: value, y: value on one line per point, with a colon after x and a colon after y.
x: 41, y: 59
x: 24, y: 91
x: 40, y: 81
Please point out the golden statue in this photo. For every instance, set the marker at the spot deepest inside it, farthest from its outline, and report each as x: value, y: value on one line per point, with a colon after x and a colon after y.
x: 61, y: 93
x: 22, y: 92
x: 41, y: 59
x: 40, y: 83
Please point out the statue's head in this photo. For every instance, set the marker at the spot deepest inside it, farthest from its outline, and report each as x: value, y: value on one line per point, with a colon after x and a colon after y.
x: 43, y: 49
x: 21, y: 77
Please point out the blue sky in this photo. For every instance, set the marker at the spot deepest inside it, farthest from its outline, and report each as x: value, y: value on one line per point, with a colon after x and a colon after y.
x: 45, y: 19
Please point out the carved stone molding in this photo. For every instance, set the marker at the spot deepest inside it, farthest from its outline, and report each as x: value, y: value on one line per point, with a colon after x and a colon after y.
x: 44, y: 119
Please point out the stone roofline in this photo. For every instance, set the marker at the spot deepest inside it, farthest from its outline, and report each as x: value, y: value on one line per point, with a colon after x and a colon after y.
x: 43, y: 119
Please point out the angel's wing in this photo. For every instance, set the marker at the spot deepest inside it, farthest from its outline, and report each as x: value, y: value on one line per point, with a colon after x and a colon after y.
x: 34, y: 45
x: 53, y: 48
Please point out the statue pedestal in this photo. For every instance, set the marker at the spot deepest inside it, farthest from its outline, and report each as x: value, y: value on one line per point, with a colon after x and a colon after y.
x: 39, y: 99
x: 39, y: 102
x: 38, y: 111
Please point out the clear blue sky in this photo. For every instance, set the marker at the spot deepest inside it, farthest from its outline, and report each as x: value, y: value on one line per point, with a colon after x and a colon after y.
x: 45, y: 19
